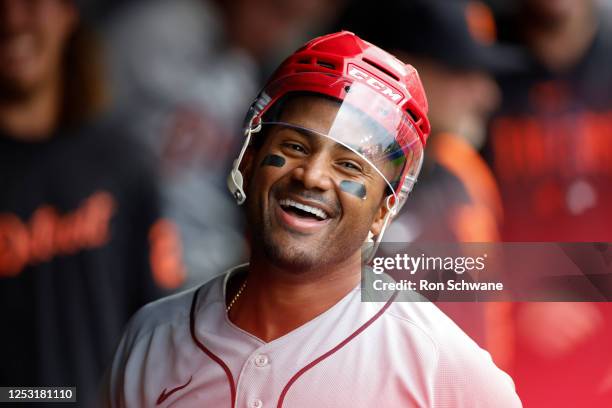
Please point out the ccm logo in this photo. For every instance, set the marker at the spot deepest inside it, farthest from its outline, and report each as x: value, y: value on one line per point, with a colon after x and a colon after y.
x: 375, y: 83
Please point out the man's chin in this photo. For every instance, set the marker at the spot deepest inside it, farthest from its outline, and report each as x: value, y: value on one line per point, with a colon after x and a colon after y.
x: 294, y: 260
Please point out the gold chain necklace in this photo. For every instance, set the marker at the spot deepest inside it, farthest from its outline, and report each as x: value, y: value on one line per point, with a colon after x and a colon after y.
x: 236, y: 296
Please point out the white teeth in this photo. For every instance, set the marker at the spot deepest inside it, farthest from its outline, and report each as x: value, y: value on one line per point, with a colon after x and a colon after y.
x: 313, y: 210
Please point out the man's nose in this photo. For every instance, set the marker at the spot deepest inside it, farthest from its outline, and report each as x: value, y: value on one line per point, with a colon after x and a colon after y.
x: 315, y: 173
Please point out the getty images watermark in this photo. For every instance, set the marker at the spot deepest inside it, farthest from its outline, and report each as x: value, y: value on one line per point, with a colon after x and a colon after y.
x: 424, y: 264
x: 541, y: 271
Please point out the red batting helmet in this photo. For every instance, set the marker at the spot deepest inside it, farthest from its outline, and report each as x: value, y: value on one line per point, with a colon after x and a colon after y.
x: 365, y: 79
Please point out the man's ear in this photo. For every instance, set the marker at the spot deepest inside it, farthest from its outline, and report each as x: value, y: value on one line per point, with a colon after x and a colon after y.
x: 379, y: 218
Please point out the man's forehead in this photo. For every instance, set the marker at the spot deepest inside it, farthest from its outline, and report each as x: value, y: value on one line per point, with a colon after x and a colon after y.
x: 311, y: 112
x: 324, y: 115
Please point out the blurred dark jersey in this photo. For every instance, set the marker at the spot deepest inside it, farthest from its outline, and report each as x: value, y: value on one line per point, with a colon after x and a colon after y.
x: 550, y: 147
x: 76, y: 214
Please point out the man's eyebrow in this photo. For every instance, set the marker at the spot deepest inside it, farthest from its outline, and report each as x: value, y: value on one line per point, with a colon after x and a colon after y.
x: 340, y: 146
x: 346, y: 149
x: 312, y: 136
x: 316, y: 138
x: 297, y: 129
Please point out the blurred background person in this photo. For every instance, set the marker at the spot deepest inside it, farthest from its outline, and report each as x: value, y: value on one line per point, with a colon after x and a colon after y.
x: 82, y: 246
x: 549, y: 143
x: 550, y: 148
x: 453, y: 46
x: 185, y: 70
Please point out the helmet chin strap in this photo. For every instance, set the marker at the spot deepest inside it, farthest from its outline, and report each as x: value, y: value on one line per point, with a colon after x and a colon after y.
x: 399, y: 201
x: 372, y: 245
x: 235, y: 180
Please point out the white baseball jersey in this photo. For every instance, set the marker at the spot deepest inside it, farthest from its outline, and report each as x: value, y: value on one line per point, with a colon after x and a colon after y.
x: 183, y: 351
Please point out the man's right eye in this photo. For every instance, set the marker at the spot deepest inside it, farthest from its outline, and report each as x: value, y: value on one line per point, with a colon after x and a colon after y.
x: 293, y: 146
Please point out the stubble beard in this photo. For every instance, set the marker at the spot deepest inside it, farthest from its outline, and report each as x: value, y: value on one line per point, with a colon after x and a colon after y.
x: 295, y: 258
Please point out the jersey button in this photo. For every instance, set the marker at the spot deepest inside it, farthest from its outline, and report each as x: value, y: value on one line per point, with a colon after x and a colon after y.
x: 261, y: 360
x: 256, y: 403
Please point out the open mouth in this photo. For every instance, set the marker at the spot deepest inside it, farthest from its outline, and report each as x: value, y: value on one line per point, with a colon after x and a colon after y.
x: 302, y: 210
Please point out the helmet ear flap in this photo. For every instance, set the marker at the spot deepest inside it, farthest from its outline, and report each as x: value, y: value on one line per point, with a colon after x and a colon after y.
x: 235, y: 183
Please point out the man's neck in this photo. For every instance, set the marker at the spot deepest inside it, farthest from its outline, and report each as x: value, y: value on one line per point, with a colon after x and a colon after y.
x: 560, y: 45
x: 275, y: 301
x: 33, y: 117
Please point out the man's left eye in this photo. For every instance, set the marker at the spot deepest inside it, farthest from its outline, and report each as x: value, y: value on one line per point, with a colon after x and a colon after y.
x: 351, y: 166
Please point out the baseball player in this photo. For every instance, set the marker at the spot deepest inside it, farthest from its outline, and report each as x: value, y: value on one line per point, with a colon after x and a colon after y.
x: 333, y: 145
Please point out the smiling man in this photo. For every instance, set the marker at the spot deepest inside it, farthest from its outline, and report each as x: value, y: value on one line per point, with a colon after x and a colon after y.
x: 333, y: 147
